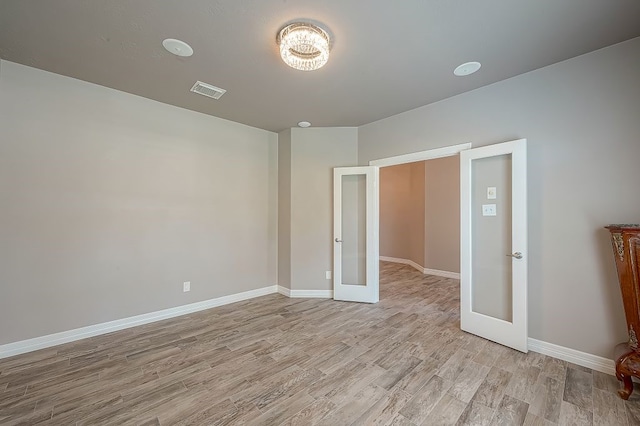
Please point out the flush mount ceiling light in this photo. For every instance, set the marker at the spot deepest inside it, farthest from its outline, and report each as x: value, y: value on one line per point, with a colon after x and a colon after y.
x: 177, y: 47
x: 304, y: 46
x: 467, y: 68
x: 304, y: 124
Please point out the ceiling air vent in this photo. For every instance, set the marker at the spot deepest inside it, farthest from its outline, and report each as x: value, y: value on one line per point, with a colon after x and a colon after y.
x: 208, y: 90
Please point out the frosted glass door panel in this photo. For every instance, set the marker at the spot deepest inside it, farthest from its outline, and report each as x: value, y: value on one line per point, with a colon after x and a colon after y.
x: 491, y: 268
x: 493, y: 243
x: 354, y: 235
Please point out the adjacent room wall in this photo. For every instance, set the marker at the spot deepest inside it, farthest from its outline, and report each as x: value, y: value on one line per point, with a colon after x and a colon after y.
x: 402, y: 212
x: 581, y: 120
x: 416, y: 217
x: 420, y: 213
x: 314, y: 154
x: 442, y: 214
x: 110, y: 201
x: 395, y: 191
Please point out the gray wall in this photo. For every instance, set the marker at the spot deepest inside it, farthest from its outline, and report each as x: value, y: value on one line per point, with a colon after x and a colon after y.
x: 109, y: 201
x: 581, y: 120
x: 314, y: 154
x: 284, y: 208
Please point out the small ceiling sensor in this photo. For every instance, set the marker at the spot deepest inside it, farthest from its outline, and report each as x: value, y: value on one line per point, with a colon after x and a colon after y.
x: 177, y: 47
x: 304, y: 124
x: 467, y: 68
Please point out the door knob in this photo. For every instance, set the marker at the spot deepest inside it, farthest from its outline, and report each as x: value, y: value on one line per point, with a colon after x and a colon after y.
x: 517, y: 255
x: 337, y: 240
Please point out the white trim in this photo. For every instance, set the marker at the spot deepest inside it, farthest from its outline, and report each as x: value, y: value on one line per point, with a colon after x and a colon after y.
x: 403, y: 261
x: 311, y: 294
x: 583, y: 359
x: 426, y: 271
x: 431, y: 154
x: 29, y: 345
x: 284, y: 291
x: 439, y: 273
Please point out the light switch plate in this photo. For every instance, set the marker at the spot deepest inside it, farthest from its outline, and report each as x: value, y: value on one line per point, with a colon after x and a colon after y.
x: 491, y: 193
x: 488, y: 210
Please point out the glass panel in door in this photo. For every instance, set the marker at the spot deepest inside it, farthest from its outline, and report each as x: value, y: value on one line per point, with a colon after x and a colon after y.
x: 491, y: 268
x: 354, y: 235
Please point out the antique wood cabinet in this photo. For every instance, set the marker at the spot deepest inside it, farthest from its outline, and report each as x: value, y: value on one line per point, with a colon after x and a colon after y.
x: 625, y: 241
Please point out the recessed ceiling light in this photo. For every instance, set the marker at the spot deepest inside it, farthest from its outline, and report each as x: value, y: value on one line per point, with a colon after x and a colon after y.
x: 467, y: 68
x: 177, y: 47
x: 304, y: 124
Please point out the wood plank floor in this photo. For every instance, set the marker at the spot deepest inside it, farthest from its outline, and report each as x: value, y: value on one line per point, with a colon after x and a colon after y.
x: 279, y: 361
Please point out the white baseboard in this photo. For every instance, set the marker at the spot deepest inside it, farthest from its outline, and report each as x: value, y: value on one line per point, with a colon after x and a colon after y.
x: 312, y: 294
x: 583, y: 359
x: 284, y: 291
x: 427, y: 271
x: 593, y: 362
x: 29, y: 345
x: 403, y: 261
x: 445, y: 274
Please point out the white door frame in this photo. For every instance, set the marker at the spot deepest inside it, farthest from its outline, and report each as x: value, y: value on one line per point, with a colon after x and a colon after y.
x: 430, y: 154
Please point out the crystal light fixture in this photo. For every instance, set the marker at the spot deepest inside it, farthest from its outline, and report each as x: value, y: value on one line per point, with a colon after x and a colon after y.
x: 304, y: 46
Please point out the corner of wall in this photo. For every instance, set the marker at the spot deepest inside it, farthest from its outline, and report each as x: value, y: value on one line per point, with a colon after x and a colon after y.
x: 284, y: 209
x: 273, y: 209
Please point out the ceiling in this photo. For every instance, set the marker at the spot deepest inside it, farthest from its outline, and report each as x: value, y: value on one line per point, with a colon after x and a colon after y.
x: 387, y: 56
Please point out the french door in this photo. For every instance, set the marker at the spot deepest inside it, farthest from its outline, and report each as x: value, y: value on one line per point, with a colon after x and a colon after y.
x: 355, y: 234
x: 493, y: 267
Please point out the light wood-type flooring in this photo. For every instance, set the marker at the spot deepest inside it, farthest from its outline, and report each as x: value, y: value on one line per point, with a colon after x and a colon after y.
x: 280, y: 361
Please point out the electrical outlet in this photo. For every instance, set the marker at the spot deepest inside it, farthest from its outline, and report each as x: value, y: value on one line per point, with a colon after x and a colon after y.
x: 186, y: 286
x: 327, y: 275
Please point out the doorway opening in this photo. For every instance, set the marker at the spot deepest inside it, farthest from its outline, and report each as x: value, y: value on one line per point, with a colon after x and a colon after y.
x: 420, y: 215
x: 419, y: 210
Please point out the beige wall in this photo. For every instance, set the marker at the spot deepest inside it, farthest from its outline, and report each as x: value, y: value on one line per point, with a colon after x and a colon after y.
x: 442, y: 214
x: 110, y: 201
x: 314, y: 154
x: 395, y: 191
x: 581, y: 121
x: 416, y: 218
x: 420, y: 213
x: 402, y: 211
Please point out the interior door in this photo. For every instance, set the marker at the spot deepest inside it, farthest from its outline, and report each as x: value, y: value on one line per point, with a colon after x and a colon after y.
x: 355, y: 234
x: 493, y: 266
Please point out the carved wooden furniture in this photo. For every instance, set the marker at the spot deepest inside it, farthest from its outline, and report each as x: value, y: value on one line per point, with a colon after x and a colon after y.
x: 626, y: 250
